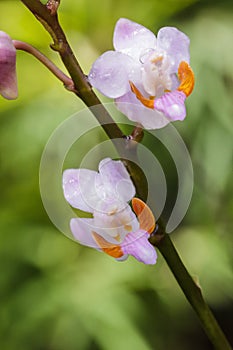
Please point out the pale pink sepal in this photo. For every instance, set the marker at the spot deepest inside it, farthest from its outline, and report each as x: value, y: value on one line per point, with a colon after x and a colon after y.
x: 82, y: 231
x: 132, y: 38
x: 176, y: 45
x: 111, y: 72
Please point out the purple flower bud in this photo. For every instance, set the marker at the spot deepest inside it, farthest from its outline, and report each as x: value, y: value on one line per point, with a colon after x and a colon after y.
x: 8, y: 79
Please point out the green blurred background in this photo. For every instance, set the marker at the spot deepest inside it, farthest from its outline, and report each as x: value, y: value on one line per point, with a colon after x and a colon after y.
x: 56, y: 294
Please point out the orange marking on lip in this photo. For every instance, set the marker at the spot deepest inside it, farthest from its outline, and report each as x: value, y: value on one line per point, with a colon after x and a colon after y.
x: 145, y: 101
x: 108, y: 248
x: 145, y: 216
x: 186, y: 77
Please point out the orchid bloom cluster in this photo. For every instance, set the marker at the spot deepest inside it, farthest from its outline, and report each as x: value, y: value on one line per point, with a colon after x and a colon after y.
x: 149, y: 78
x: 145, y: 71
x: 114, y: 228
x: 8, y: 80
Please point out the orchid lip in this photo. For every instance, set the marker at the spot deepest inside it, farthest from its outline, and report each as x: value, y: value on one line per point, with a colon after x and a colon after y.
x: 171, y: 103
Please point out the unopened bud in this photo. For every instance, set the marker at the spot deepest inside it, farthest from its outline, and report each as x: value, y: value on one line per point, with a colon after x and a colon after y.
x: 8, y: 79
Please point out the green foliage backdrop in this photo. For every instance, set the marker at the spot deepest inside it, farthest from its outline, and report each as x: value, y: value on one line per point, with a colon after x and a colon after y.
x: 56, y: 294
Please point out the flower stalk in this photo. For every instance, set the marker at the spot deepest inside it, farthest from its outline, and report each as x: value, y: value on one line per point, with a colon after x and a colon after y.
x: 68, y: 82
x: 163, y: 242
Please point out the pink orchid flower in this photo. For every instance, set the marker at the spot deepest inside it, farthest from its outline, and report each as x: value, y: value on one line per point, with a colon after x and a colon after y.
x: 114, y: 228
x: 149, y: 78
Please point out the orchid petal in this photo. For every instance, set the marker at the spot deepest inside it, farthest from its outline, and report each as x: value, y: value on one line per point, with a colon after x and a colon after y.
x: 116, y: 179
x: 175, y: 43
x: 82, y: 231
x: 132, y: 38
x: 172, y: 105
x: 137, y: 245
x: 77, y: 189
x: 111, y: 72
x: 135, y: 111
